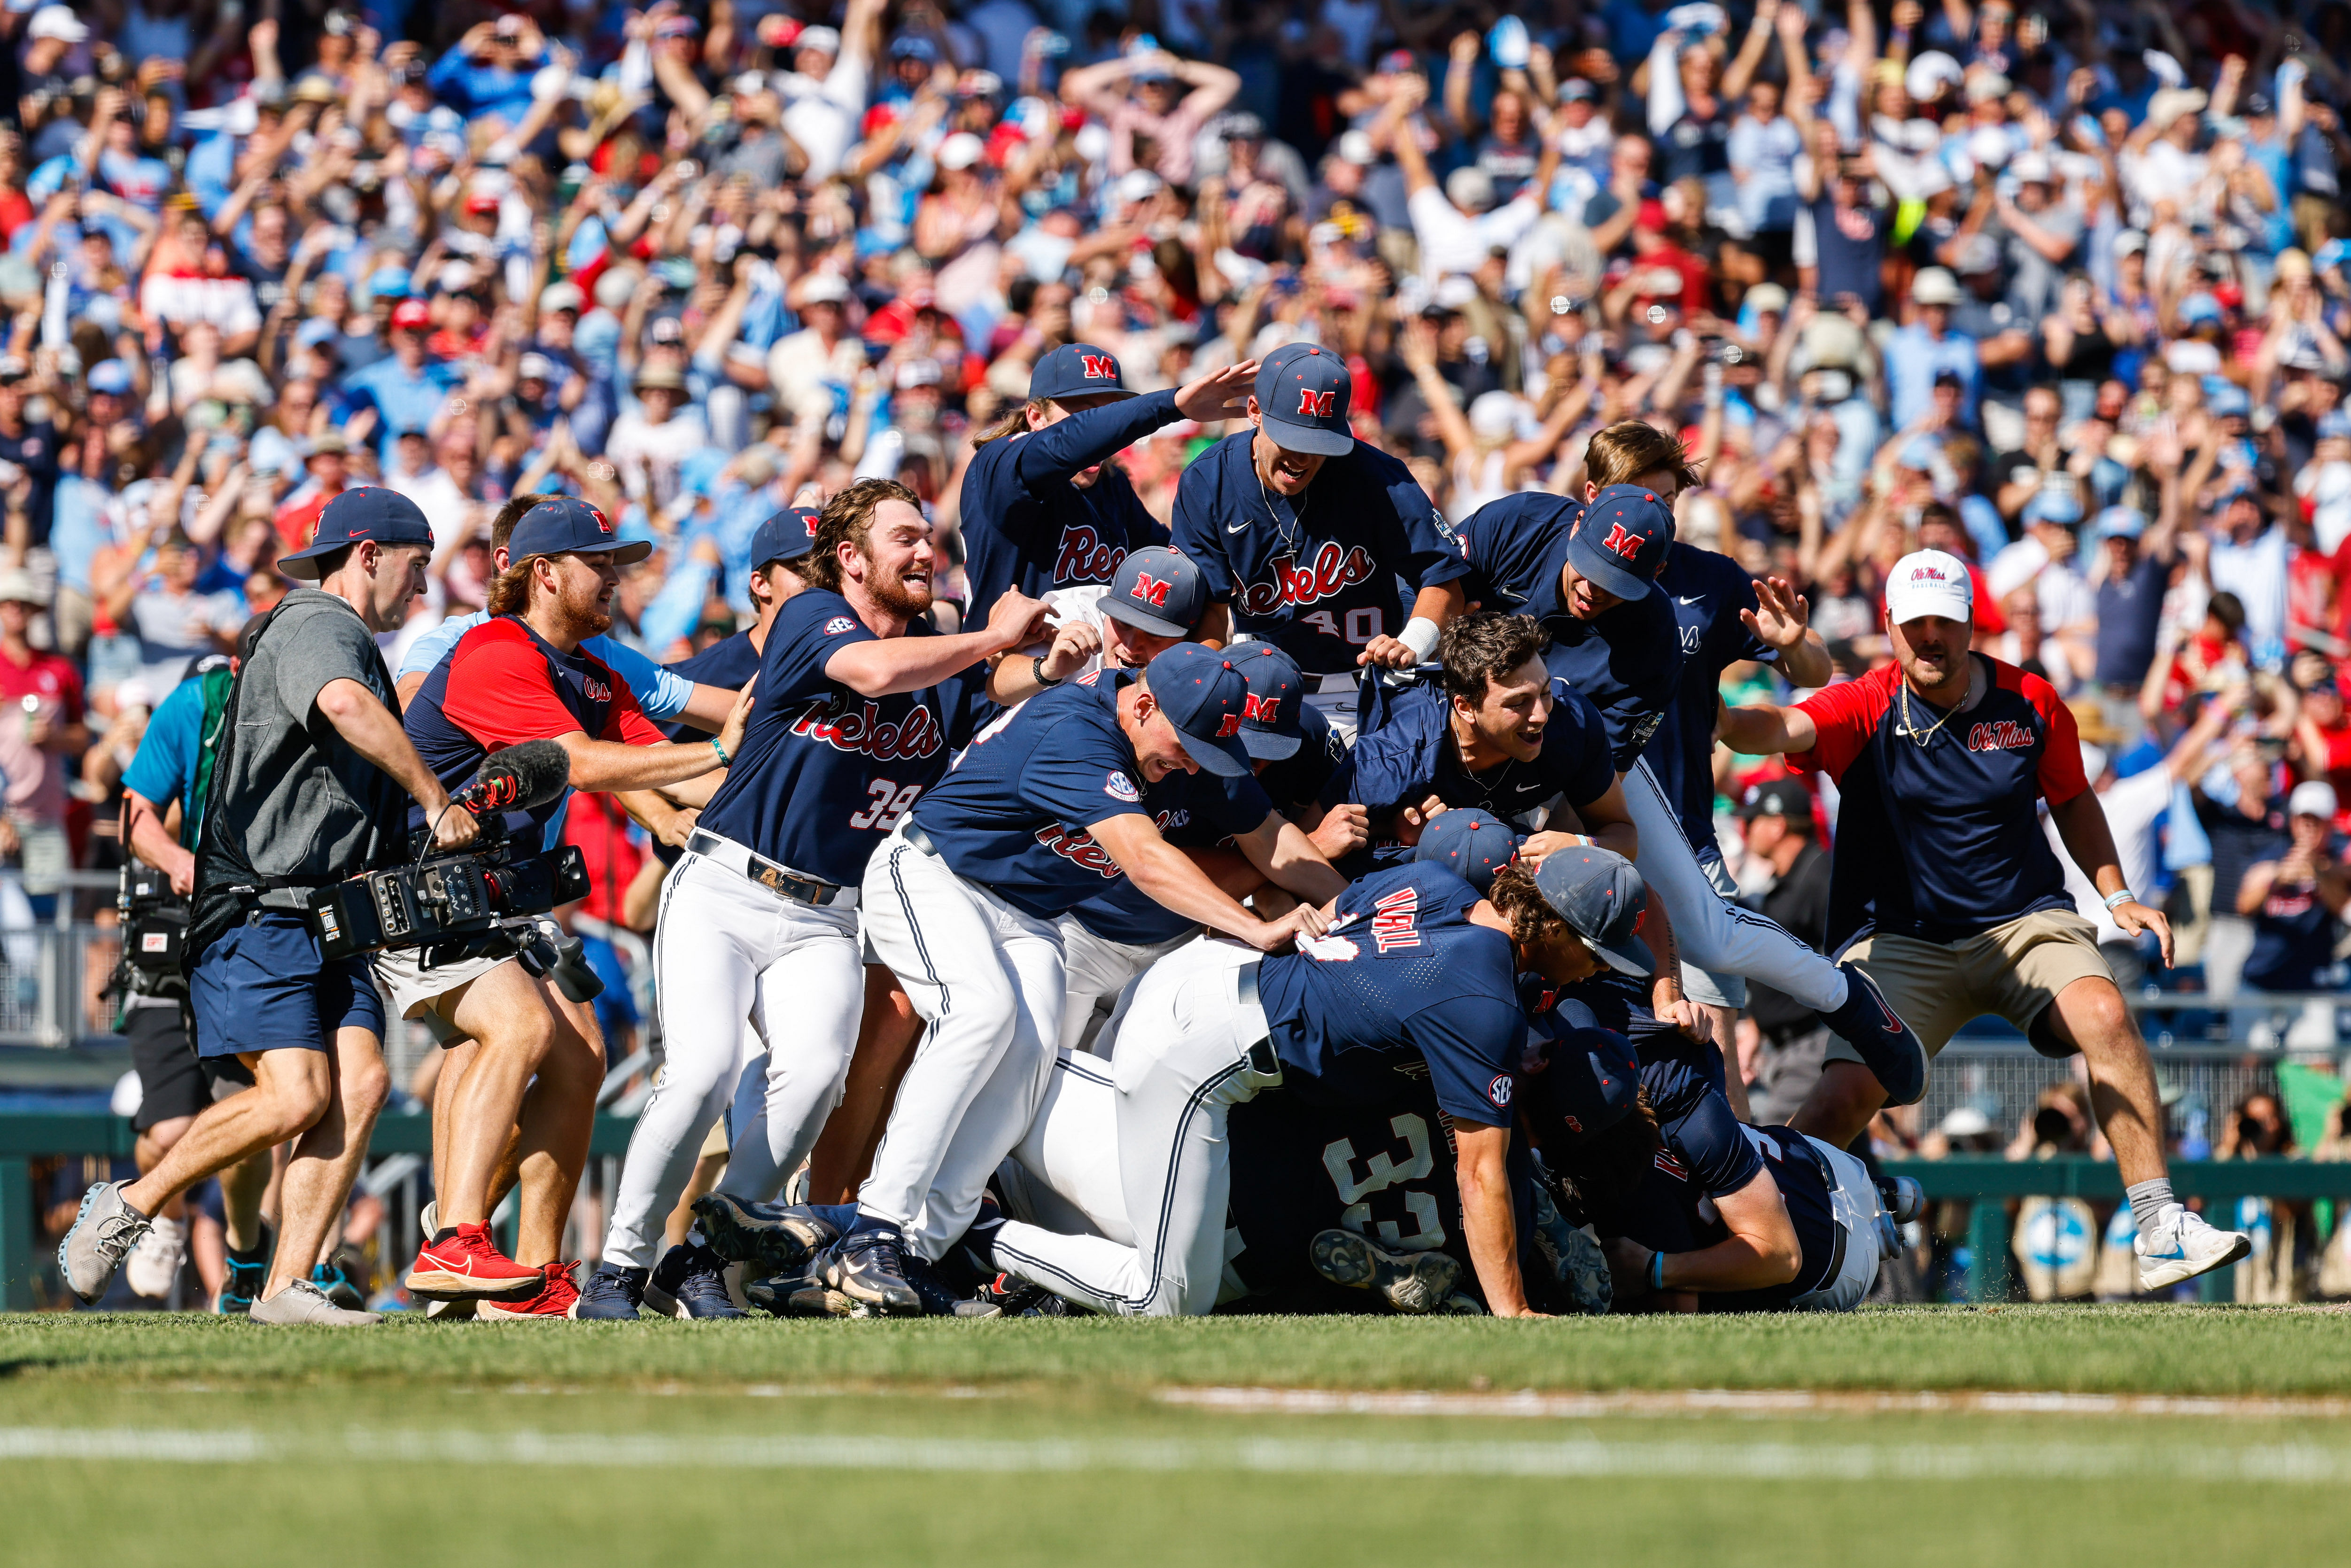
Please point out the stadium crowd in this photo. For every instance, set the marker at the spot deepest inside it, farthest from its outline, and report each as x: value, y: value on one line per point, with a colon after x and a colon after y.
x: 2061, y: 289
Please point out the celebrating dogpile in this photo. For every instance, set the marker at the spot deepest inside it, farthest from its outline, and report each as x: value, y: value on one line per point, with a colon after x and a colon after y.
x: 1144, y: 659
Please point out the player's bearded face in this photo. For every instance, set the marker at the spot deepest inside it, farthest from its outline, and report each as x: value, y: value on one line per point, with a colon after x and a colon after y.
x: 1933, y: 651
x: 898, y: 561
x: 1283, y: 472
x: 584, y: 586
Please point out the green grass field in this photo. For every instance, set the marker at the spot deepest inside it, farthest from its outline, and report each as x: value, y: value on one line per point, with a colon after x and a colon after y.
x: 193, y: 1440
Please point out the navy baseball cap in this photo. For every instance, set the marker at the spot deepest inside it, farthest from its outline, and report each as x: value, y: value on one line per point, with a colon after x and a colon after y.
x: 1272, y: 726
x: 1203, y: 692
x: 1777, y: 797
x: 786, y: 537
x: 1076, y: 370
x: 1591, y: 1082
x: 1159, y: 590
x: 1302, y: 394
x: 369, y: 512
x: 1470, y: 843
x: 1601, y: 897
x: 567, y: 524
x: 1622, y: 540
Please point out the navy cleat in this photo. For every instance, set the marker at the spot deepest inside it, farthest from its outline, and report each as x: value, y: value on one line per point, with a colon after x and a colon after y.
x: 1408, y: 1282
x: 1006, y: 1297
x: 938, y: 1298
x: 868, y: 1267
x: 614, y: 1293
x: 243, y: 1285
x: 1888, y: 1048
x: 773, y: 1237
x: 690, y: 1282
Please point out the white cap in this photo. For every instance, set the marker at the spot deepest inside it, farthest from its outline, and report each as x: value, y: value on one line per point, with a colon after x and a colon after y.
x: 824, y: 288
x: 560, y: 295
x: 1935, y: 285
x: 824, y: 38
x: 2312, y: 798
x: 960, y: 150
x: 1930, y: 583
x: 56, y: 22
x: 1355, y: 147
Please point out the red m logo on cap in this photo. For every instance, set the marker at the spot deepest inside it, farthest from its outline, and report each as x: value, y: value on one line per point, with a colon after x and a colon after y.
x: 1231, y: 727
x: 603, y: 523
x: 1317, y: 404
x: 1099, y: 367
x: 1623, y: 544
x: 1151, y: 590
x: 1259, y: 710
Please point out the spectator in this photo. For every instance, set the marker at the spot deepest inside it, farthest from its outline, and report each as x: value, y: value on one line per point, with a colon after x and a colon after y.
x: 2296, y: 905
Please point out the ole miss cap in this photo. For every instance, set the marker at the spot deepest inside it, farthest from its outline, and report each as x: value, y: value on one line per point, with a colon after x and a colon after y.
x: 369, y: 512
x: 1302, y: 395
x: 786, y: 537
x: 1076, y: 370
x: 567, y: 524
x: 1203, y: 692
x: 1270, y: 727
x: 1470, y: 843
x: 1930, y: 583
x: 1158, y: 590
x: 1590, y: 1082
x: 1601, y: 897
x: 1622, y: 541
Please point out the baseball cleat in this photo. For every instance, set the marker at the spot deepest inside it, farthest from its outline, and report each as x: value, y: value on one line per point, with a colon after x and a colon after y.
x: 1904, y: 1198
x: 1574, y: 1257
x: 777, y: 1237
x: 1006, y: 1297
x: 868, y: 1267
x: 1408, y: 1282
x: 1887, y: 1046
x: 104, y: 1231
x: 552, y: 1300
x: 2180, y: 1246
x: 464, y: 1263
x: 796, y: 1294
x: 613, y: 1293
x: 690, y: 1282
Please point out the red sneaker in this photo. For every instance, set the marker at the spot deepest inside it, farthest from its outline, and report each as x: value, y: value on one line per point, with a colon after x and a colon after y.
x: 553, y: 1299
x: 465, y: 1264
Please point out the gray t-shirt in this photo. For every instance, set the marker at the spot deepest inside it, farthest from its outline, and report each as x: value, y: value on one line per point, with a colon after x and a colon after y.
x: 296, y: 796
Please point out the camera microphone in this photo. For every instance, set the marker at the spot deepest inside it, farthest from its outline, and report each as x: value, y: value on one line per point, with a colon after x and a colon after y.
x: 518, y: 778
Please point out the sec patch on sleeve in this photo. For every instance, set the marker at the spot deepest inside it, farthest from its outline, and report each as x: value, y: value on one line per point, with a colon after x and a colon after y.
x: 838, y: 624
x: 1119, y: 787
x: 1498, y: 1091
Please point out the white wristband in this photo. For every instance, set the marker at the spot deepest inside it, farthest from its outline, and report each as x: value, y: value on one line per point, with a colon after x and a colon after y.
x: 2116, y: 900
x: 1420, y: 635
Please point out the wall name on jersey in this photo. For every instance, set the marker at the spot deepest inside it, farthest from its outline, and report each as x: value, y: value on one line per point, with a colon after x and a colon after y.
x: 861, y: 731
x: 1331, y: 570
x: 1396, y: 920
x: 1084, y: 556
x: 2002, y: 734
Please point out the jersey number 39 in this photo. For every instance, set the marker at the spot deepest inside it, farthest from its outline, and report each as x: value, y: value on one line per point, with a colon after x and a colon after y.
x: 889, y: 803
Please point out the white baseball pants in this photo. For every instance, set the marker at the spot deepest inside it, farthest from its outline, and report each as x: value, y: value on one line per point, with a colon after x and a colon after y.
x: 1099, y: 968
x: 1855, y: 1204
x: 728, y: 952
x: 1183, y: 1060
x: 1713, y: 933
x: 988, y: 980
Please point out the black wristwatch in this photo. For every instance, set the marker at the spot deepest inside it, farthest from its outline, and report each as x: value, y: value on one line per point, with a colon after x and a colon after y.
x: 1037, y: 669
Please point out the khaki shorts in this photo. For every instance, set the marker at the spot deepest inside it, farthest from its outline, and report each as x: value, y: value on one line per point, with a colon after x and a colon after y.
x: 415, y: 991
x: 2014, y: 971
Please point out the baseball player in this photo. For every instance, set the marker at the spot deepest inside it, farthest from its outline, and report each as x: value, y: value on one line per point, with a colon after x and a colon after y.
x: 1069, y: 793
x: 759, y: 920
x: 1591, y: 579
x: 1944, y: 889
x: 1043, y: 507
x: 1153, y: 602
x: 1304, y: 536
x: 783, y: 542
x: 1414, y: 965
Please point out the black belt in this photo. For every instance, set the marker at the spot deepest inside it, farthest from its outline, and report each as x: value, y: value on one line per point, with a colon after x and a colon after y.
x: 919, y: 839
x: 1836, y: 1229
x: 781, y: 881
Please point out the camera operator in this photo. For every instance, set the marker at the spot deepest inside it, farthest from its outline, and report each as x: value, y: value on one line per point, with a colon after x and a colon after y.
x: 162, y: 794
x: 306, y: 791
x: 522, y: 675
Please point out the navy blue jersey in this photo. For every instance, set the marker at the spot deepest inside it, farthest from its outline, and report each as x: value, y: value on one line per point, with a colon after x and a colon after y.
x: 1401, y: 973
x: 1628, y: 662
x: 1706, y: 591
x: 1708, y: 1155
x: 1295, y: 783
x: 728, y: 662
x: 1320, y: 578
x: 1941, y: 841
x: 1015, y: 813
x: 1619, y: 1003
x: 1411, y: 755
x: 1025, y: 526
x: 1194, y: 811
x: 824, y: 774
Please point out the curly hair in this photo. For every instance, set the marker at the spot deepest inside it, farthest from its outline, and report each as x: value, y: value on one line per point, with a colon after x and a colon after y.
x: 848, y: 518
x: 1629, y: 448
x: 1486, y: 646
x: 1532, y: 919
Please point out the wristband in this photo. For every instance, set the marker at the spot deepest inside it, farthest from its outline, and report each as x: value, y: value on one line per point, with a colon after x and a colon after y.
x: 724, y: 760
x: 2124, y: 897
x: 1657, y: 1272
x: 1037, y: 671
x: 1420, y: 634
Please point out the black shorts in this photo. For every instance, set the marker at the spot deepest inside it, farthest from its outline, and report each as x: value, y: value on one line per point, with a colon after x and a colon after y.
x: 172, y: 1081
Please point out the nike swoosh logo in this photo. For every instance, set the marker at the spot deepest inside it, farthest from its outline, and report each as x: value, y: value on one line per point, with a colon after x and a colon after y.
x: 1235, y: 528
x: 1678, y: 600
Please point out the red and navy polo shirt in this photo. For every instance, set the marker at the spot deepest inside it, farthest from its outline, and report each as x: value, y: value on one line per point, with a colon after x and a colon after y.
x: 1942, y: 841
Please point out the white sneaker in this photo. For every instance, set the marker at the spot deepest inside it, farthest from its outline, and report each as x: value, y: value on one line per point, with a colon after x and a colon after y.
x: 2179, y: 1245
x: 155, y: 1261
